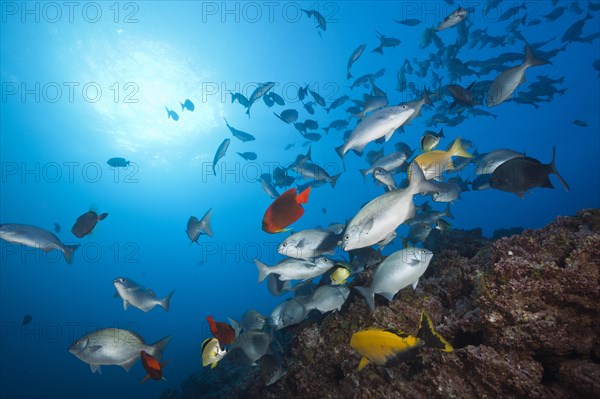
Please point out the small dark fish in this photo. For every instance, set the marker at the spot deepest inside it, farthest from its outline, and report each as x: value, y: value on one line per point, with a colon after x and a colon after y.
x: 221, y: 151
x: 521, y: 174
x: 292, y: 145
x: 187, y: 104
x: 309, y: 107
x: 56, y: 228
x: 312, y: 136
x: 318, y: 99
x: 118, y: 162
x: 385, y: 41
x: 248, y: 156
x: 580, y: 123
x: 311, y: 124
x: 86, y: 223
x: 409, y: 22
x: 288, y: 115
x: 281, y: 178
x: 324, y: 210
x: 268, y: 100
x: 302, y: 92
x: 243, y: 136
x: 26, y: 320
x: 172, y: 114
x: 277, y: 99
x: 240, y: 99
x: 337, y: 102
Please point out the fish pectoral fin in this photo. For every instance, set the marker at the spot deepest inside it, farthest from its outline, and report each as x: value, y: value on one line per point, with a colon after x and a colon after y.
x: 96, y: 368
x: 367, y: 227
x: 127, y: 366
x: 389, y: 134
x: 388, y: 295
x: 145, y: 378
x: 92, y: 349
x: 212, y: 366
x: 363, y: 362
x: 414, y: 285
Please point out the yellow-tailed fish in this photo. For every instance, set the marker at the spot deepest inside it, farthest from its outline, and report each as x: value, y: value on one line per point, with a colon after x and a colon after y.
x: 436, y: 162
x: 390, y: 347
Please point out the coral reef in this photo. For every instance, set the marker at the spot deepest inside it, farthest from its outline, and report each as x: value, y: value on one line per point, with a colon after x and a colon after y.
x: 522, y: 313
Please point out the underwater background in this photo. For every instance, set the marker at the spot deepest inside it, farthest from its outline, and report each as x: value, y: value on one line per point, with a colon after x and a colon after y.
x: 84, y: 84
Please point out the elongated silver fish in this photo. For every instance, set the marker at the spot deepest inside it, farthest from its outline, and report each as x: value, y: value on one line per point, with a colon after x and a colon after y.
x: 454, y: 18
x: 507, y: 82
x: 353, y: 57
x: 114, y: 347
x: 382, y: 123
x: 138, y: 296
x: 221, y: 152
x: 381, y: 217
x: 36, y: 237
x: 311, y: 243
x: 294, y: 269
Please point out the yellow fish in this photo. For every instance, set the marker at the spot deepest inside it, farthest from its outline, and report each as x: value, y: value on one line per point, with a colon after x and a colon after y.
x: 211, y: 352
x: 436, y: 162
x: 388, y: 347
x: 340, y: 273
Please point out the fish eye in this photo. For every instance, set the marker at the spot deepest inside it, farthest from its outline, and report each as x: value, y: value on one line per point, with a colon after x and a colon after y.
x: 284, y: 244
x: 347, y: 237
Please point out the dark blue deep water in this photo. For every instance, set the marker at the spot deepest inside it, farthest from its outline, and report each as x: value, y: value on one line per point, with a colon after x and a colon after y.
x: 86, y: 81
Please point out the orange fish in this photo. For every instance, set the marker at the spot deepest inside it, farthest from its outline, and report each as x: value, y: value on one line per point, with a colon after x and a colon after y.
x: 152, y: 367
x: 221, y: 331
x: 285, y: 210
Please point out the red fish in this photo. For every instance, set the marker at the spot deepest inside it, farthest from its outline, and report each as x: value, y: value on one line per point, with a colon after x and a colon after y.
x: 285, y: 210
x: 221, y: 331
x: 152, y: 367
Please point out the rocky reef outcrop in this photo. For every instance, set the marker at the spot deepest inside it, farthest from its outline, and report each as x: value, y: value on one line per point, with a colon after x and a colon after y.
x: 522, y: 312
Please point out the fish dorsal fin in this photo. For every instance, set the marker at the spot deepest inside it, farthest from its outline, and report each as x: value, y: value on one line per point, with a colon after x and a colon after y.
x: 399, y: 333
x: 363, y: 362
x: 431, y: 337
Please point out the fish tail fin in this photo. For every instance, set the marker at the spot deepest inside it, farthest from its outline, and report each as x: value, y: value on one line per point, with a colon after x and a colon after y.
x: 418, y: 183
x: 425, y: 98
x: 369, y: 296
x: 156, y: 349
x: 166, y: 302
x: 378, y: 49
x: 287, y: 286
x: 235, y: 325
x: 302, y: 198
x: 348, y: 76
x: 340, y: 151
x: 211, y: 323
x: 530, y: 59
x: 102, y: 216
x: 182, y: 106
x: 441, y: 133
x: 205, y: 222
x: 275, y: 113
x: 431, y: 337
x: 68, y: 252
x: 168, y: 113
x: 309, y: 154
x: 457, y: 149
x: 263, y: 270
x: 448, y: 213
x: 334, y: 180
x: 553, y: 167
x: 326, y: 128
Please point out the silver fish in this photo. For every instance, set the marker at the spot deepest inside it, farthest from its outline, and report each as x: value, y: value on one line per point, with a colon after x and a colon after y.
x: 267, y: 185
x: 195, y: 228
x: 382, y: 216
x: 382, y: 123
x: 287, y: 313
x: 384, y: 177
x: 36, y: 237
x: 310, y: 243
x: 353, y: 57
x: 249, y: 346
x: 138, y: 296
x: 391, y: 163
x: 294, y: 269
x: 454, y: 18
x: 221, y: 152
x: 397, y: 271
x: 487, y: 163
x: 309, y: 170
x: 507, y: 82
x: 327, y: 298
x: 114, y: 347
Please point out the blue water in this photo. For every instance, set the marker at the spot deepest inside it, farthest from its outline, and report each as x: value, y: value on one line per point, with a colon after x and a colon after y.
x: 125, y: 63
